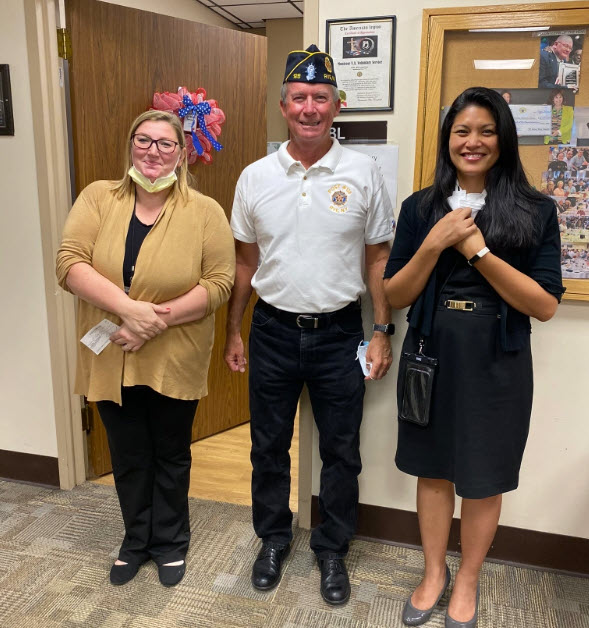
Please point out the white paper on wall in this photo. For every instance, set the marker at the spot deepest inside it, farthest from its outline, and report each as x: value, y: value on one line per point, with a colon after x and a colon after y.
x: 386, y: 157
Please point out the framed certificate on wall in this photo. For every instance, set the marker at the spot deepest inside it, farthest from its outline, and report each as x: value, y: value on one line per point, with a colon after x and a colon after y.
x: 363, y: 52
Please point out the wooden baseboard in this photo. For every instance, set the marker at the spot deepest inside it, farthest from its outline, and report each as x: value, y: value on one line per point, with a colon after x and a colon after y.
x: 31, y: 468
x: 514, y: 545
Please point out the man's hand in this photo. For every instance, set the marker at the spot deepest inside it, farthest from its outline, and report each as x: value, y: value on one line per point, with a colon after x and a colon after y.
x: 234, y: 354
x: 379, y: 354
x: 127, y: 340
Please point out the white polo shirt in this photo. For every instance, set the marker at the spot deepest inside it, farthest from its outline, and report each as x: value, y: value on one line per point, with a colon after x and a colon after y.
x: 311, y: 226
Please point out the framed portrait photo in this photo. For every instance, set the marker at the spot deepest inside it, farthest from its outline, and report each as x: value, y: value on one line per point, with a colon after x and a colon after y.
x: 6, y: 119
x: 363, y: 53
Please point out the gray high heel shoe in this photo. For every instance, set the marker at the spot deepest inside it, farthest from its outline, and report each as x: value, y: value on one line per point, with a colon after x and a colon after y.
x: 414, y: 616
x: 452, y: 623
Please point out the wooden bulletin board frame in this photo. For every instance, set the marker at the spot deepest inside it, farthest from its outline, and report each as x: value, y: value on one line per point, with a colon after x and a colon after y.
x: 437, y: 23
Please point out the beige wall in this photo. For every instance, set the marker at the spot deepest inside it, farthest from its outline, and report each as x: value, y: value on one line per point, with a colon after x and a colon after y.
x: 283, y: 36
x: 27, y: 421
x: 553, y: 493
x: 27, y: 405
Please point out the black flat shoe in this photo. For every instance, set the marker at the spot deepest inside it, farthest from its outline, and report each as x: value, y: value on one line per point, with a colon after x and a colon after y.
x: 335, y: 584
x: 266, y: 569
x: 170, y: 575
x: 121, y: 574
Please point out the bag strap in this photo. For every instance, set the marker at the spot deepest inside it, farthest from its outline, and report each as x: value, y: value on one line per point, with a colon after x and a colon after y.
x: 438, y: 294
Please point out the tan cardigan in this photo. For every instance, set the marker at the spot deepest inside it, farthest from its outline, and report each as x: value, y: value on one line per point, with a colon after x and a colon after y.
x: 189, y: 244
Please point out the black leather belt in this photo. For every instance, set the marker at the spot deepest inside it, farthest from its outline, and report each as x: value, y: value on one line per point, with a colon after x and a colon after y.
x: 310, y: 321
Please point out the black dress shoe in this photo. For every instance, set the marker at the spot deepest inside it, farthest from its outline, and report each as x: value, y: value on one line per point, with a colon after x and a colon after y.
x: 266, y: 569
x: 335, y: 584
x: 170, y: 575
x: 121, y: 574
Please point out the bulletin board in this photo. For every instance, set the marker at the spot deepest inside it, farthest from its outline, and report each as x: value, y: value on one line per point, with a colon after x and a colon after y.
x: 453, y: 39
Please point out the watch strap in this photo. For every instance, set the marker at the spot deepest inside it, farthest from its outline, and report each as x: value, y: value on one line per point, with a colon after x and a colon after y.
x: 475, y: 258
x: 385, y: 329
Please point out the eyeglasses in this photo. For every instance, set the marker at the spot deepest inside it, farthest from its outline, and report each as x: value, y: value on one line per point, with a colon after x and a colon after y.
x: 145, y: 142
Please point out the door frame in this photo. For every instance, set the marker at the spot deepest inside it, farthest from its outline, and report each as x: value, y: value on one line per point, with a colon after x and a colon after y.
x: 42, y: 18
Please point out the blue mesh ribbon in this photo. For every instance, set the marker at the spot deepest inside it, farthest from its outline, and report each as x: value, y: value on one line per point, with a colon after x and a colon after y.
x: 199, y: 112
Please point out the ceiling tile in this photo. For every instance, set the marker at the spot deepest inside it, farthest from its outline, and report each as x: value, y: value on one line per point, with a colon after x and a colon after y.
x: 254, y: 13
x: 228, y: 3
x: 226, y: 15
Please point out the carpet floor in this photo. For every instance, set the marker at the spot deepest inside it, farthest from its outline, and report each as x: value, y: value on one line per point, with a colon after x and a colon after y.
x: 56, y: 549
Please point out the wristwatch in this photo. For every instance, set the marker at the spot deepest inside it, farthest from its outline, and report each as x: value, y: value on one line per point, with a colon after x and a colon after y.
x: 475, y: 258
x: 385, y: 329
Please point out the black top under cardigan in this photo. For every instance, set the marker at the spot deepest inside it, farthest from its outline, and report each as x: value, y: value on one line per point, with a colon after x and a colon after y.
x: 540, y: 262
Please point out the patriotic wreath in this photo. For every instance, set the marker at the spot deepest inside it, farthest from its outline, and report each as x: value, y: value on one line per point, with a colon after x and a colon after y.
x: 204, y: 117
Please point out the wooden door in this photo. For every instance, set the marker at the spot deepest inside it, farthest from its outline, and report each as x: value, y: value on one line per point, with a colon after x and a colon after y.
x: 120, y: 57
x: 452, y: 39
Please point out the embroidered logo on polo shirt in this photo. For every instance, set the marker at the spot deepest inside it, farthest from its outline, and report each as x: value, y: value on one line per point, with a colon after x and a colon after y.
x: 339, y: 196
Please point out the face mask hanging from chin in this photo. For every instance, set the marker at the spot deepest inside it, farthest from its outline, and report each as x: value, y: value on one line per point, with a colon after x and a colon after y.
x: 161, y: 183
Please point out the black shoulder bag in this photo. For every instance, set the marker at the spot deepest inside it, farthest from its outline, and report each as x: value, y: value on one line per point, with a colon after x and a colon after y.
x: 416, y: 379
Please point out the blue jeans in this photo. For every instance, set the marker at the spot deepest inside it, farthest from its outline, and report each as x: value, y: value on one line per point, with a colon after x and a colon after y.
x: 282, y: 358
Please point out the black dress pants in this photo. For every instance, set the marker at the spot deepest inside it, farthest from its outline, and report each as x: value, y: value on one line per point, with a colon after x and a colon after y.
x: 149, y: 439
x: 282, y: 359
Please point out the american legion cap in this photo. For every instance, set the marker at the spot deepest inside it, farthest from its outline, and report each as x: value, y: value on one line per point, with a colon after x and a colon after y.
x: 309, y: 66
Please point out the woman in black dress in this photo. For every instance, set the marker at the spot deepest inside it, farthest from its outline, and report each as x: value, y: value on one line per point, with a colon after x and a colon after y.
x: 472, y: 283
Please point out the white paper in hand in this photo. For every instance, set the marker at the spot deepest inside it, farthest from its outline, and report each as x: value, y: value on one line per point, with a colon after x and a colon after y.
x: 97, y: 338
x: 361, y: 357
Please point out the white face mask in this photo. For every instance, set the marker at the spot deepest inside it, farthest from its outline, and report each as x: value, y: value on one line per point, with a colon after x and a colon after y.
x: 459, y: 198
x: 161, y: 183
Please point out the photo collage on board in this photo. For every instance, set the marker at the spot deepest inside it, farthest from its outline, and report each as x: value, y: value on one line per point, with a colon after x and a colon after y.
x: 566, y: 181
x: 547, y: 114
x: 566, y: 177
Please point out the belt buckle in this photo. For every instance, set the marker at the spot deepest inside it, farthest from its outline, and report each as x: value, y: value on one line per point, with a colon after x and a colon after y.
x: 465, y: 306
x: 308, y: 318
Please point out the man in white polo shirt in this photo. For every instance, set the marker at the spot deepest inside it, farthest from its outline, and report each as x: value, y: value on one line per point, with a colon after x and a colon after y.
x: 310, y: 222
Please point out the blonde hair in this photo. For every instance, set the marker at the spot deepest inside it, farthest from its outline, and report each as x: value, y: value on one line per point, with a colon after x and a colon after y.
x: 125, y: 186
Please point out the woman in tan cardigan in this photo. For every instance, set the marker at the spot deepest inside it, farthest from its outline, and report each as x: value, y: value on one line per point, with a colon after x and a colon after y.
x: 155, y: 257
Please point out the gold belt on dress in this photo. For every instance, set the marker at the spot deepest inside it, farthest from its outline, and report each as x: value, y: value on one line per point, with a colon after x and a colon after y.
x: 466, y: 306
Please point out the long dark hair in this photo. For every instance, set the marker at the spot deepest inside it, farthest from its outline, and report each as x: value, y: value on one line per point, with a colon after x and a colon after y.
x: 509, y: 219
